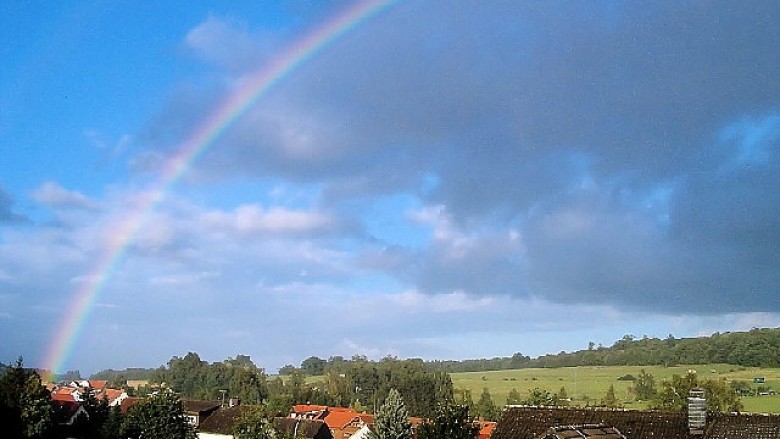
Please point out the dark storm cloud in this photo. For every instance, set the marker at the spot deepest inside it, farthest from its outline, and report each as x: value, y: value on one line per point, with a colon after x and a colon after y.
x: 615, y: 137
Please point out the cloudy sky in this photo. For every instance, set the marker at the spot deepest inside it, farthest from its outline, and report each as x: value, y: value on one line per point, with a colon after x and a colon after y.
x: 444, y: 180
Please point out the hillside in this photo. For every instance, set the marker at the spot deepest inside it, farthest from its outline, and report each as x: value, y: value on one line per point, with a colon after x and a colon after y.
x: 587, y: 385
x: 755, y: 348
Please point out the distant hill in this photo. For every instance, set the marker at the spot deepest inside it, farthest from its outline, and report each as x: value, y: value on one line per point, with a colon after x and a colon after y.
x: 758, y: 347
x: 132, y: 373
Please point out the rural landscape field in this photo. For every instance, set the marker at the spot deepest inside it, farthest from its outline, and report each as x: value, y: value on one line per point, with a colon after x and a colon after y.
x: 587, y: 385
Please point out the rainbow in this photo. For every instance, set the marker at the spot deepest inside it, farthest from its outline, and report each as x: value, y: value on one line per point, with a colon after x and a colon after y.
x: 236, y: 105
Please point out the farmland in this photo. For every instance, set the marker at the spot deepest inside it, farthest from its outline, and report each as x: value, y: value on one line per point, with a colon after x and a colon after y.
x: 587, y: 385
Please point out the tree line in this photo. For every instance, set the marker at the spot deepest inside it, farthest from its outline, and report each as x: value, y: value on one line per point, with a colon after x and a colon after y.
x: 759, y: 347
x: 359, y: 383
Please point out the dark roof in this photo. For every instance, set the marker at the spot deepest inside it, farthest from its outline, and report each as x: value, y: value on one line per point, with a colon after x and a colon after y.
x: 303, y: 428
x: 63, y: 411
x: 737, y: 426
x: 200, y: 406
x: 223, y: 419
x: 583, y: 431
x: 533, y: 422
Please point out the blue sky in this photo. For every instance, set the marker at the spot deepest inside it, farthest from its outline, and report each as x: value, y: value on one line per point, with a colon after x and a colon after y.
x: 444, y: 181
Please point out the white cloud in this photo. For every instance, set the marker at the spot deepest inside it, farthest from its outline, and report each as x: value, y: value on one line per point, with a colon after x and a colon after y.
x: 56, y: 196
x: 254, y: 219
x: 227, y: 43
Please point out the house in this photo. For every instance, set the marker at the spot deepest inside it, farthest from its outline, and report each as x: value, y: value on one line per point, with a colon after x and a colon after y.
x: 308, y: 411
x: 342, y: 422
x: 197, y: 410
x: 220, y: 425
x: 302, y: 428
x: 97, y: 385
x: 525, y: 422
x: 128, y: 402
x: 137, y: 384
x: 66, y: 411
x: 114, y: 396
x: 363, y: 433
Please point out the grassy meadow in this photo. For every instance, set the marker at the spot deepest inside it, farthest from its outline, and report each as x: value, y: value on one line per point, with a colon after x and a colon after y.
x: 589, y: 384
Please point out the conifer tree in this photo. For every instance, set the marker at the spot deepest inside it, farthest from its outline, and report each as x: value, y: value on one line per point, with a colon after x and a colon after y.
x: 485, y: 407
x: 392, y: 419
x: 610, y: 400
x: 514, y: 398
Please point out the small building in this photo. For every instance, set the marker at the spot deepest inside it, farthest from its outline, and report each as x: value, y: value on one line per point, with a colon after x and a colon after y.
x: 197, y: 410
x: 221, y: 423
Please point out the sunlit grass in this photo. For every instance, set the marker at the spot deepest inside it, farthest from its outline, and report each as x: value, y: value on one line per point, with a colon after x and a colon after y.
x: 587, y: 385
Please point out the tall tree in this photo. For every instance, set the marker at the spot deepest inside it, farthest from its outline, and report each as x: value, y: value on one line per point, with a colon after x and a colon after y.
x: 644, y: 386
x: 674, y: 393
x: 160, y: 416
x: 98, y: 411
x: 248, y: 384
x: 25, y: 404
x: 485, y: 407
x: 450, y: 422
x: 255, y: 424
x: 514, y: 398
x: 562, y: 398
x: 540, y: 397
x: 313, y: 366
x: 392, y: 419
x: 610, y: 400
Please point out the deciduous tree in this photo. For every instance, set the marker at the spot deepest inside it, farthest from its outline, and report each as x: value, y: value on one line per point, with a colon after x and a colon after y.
x: 644, y: 386
x: 450, y: 422
x: 160, y: 416
x: 255, y: 424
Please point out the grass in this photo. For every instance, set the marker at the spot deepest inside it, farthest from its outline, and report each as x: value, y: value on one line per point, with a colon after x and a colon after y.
x: 589, y: 384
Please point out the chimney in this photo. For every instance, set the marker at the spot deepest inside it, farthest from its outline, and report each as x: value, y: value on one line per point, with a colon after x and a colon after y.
x: 697, y: 412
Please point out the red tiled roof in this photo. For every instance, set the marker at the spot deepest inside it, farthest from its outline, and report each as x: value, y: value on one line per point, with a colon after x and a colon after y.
x: 486, y: 429
x: 129, y: 402
x: 339, y: 418
x: 112, y: 394
x: 63, y: 397
x: 65, y: 391
x: 97, y: 384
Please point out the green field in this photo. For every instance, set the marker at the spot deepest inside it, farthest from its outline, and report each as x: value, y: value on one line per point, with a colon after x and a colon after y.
x: 588, y: 384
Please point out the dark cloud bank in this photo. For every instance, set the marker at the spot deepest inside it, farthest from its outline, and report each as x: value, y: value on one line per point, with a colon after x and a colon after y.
x: 633, y: 147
